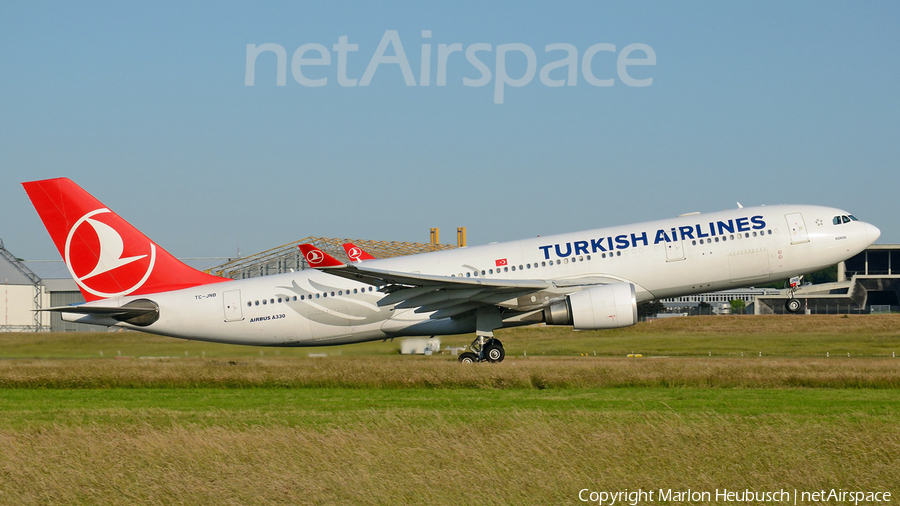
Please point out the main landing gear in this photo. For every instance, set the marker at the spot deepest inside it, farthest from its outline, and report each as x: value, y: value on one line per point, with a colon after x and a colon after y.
x: 484, y: 349
x: 793, y: 305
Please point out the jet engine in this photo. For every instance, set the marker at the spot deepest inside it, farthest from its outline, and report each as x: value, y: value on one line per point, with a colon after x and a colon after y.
x: 599, y: 307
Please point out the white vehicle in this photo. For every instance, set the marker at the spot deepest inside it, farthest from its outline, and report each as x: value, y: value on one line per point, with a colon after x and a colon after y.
x: 589, y: 280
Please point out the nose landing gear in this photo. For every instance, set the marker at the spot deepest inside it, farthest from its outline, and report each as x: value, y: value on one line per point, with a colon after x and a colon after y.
x: 793, y: 305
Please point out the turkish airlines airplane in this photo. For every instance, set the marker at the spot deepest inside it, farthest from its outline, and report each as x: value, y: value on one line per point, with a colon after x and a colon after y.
x: 589, y: 280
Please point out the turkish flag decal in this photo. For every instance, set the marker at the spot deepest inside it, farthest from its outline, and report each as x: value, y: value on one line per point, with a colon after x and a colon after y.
x: 501, y: 262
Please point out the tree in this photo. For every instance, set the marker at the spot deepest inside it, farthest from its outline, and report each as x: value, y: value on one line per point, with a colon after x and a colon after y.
x: 738, y: 306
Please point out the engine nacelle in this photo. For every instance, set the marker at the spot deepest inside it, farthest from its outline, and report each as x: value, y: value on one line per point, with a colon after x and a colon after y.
x: 600, y: 307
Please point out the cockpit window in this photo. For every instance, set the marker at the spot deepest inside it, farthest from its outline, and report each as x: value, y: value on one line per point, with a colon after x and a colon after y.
x: 845, y: 219
x: 836, y: 220
x: 853, y: 218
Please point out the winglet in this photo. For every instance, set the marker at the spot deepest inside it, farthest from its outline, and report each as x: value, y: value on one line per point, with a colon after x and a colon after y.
x: 318, y: 258
x: 355, y: 253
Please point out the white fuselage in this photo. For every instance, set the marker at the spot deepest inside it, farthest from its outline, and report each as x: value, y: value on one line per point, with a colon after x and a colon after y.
x: 664, y: 258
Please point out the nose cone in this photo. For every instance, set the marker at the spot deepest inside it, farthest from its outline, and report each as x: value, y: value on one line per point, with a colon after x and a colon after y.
x: 872, y: 233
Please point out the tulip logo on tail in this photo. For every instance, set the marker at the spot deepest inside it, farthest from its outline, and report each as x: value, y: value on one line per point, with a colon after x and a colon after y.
x: 98, y: 261
x: 354, y: 254
x: 315, y: 257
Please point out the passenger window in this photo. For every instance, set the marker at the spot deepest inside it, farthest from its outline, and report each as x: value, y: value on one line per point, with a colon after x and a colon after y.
x: 490, y: 271
x: 602, y: 255
x: 769, y: 231
x: 754, y: 234
x: 332, y: 294
x: 520, y: 267
x: 693, y: 243
x: 513, y: 268
x: 543, y: 264
x: 731, y: 237
x: 257, y: 303
x: 717, y: 239
x: 341, y: 292
x: 482, y: 273
x: 588, y: 257
x: 529, y: 265
x: 295, y: 298
x: 618, y: 253
x: 581, y: 259
x: 506, y: 269
x: 325, y: 295
x: 279, y: 300
x: 468, y: 274
x: 264, y: 302
x: 272, y: 301
x: 302, y: 297
x: 249, y: 304
x: 701, y: 241
x: 317, y: 295
x: 558, y: 262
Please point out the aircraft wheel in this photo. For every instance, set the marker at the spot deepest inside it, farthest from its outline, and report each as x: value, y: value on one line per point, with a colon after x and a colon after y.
x: 792, y: 306
x: 468, y: 358
x: 494, y: 353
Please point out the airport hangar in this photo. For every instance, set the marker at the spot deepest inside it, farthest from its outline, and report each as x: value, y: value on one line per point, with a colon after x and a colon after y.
x: 868, y: 282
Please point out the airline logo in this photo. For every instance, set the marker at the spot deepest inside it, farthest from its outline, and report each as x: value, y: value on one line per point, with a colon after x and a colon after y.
x: 318, y: 258
x: 633, y: 240
x: 314, y: 257
x: 101, y: 261
x: 355, y: 253
x: 501, y: 262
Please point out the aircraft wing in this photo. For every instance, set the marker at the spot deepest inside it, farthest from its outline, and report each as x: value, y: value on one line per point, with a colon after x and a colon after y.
x: 445, y: 295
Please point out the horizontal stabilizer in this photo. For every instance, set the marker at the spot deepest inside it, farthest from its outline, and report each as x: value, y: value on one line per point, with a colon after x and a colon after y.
x: 109, y: 311
x: 141, y: 312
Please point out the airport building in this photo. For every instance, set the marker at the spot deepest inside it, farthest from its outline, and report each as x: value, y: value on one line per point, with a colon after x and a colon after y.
x: 720, y: 302
x: 866, y: 283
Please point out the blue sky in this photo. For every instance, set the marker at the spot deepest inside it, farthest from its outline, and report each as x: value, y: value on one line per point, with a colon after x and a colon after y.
x: 145, y: 106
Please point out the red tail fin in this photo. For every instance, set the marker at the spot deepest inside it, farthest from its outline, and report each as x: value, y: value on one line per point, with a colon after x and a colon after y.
x: 355, y: 253
x: 318, y: 258
x: 105, y: 254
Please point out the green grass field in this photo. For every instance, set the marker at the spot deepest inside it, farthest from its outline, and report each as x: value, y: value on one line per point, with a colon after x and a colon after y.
x: 229, y: 425
x: 781, y: 335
